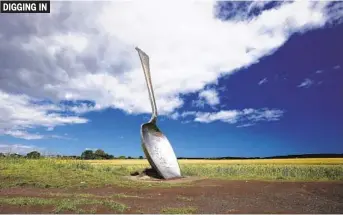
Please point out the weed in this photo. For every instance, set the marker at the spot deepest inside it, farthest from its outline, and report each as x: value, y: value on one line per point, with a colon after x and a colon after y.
x: 185, y: 210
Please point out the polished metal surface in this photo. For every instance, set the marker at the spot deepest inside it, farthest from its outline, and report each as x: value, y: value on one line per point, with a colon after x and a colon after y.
x: 156, y: 146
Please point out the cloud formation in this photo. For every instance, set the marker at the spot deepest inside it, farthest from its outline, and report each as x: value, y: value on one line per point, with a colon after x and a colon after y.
x: 208, y: 96
x: 263, y: 81
x: 337, y: 67
x: 244, y: 118
x: 235, y: 116
x: 83, y: 51
x: 306, y: 83
x: 19, y: 113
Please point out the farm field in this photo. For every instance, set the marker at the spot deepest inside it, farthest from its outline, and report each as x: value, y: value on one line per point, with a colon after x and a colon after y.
x: 245, y: 161
x: 216, y: 186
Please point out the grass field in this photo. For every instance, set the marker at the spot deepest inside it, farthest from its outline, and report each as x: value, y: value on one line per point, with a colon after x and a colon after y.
x: 94, y: 173
x: 294, y: 161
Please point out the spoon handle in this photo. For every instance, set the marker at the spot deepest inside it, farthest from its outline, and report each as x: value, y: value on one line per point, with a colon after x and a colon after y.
x: 146, y: 68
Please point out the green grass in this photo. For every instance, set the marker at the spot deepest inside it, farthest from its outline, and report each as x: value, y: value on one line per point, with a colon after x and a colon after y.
x: 184, y: 210
x: 46, y: 173
x: 74, y: 205
x: 266, y: 172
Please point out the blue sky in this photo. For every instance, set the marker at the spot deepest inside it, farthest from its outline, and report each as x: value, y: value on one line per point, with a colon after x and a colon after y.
x: 240, y: 79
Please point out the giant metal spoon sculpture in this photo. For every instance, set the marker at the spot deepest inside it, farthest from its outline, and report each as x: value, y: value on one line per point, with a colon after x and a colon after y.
x: 156, y: 146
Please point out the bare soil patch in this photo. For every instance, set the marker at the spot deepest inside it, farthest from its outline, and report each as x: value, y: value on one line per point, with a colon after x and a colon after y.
x: 145, y: 178
x: 204, y: 196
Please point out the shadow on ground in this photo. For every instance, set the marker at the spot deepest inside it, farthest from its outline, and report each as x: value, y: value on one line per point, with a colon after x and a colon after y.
x: 148, y: 172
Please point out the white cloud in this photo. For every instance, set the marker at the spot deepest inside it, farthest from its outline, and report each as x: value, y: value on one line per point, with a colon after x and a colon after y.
x: 263, y: 81
x: 19, y: 113
x: 184, y: 114
x: 306, y: 83
x: 263, y: 115
x: 174, y: 116
x: 85, y: 51
x: 221, y: 89
x: 245, y: 125
x: 335, y: 12
x: 210, y: 96
x: 319, y: 71
x: 188, y: 113
x: 198, y: 103
x: 18, y: 148
x: 23, y: 135
x: 186, y: 121
x: 225, y: 116
x: 248, y: 117
x: 50, y: 128
x: 59, y: 137
x: 337, y: 67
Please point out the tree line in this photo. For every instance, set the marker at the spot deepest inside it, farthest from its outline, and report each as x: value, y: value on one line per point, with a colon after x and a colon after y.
x: 98, y: 154
x: 31, y: 155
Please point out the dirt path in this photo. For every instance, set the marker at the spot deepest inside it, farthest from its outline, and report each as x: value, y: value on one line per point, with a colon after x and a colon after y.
x: 205, y: 196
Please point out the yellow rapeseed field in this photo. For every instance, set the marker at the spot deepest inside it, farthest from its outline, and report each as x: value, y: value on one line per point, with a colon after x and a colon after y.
x: 244, y: 161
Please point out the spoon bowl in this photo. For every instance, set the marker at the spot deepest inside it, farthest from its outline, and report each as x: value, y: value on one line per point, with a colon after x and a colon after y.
x: 159, y: 151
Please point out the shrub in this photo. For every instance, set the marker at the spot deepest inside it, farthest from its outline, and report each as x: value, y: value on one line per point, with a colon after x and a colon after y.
x: 33, y: 155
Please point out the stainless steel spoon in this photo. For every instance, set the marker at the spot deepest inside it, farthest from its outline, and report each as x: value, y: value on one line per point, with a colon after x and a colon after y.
x: 156, y: 146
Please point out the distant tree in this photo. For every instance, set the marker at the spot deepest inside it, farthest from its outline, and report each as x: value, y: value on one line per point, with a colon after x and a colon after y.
x: 2, y: 155
x: 87, y: 155
x: 141, y: 157
x: 33, y: 155
x: 122, y: 157
x: 109, y: 156
x: 15, y: 155
x: 129, y: 157
x: 100, y: 154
